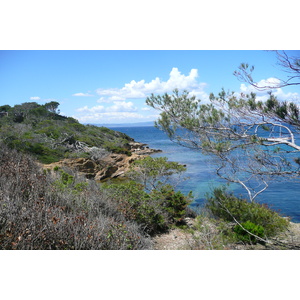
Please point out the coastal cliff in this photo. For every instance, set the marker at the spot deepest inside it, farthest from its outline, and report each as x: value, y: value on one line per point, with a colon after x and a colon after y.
x: 111, y: 165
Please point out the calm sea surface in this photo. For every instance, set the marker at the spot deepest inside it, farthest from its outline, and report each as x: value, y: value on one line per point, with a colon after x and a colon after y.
x: 283, y: 196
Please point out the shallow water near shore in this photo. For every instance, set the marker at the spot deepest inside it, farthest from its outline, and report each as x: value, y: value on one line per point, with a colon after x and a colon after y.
x: 283, y: 196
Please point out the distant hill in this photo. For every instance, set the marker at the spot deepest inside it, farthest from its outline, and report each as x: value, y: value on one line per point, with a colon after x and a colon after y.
x: 41, y: 131
x: 139, y: 124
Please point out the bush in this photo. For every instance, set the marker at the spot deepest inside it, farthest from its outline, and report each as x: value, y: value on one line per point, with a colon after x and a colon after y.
x: 154, y: 211
x: 225, y: 206
x: 243, y: 235
x: 115, y: 148
x: 43, y: 153
x: 136, y: 205
x: 175, y: 203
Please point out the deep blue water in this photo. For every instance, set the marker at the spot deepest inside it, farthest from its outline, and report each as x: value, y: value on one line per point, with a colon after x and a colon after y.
x: 282, y: 196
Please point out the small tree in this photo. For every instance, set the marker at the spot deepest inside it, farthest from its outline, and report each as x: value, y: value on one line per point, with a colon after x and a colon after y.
x: 52, y: 107
x: 154, y: 173
x: 5, y: 108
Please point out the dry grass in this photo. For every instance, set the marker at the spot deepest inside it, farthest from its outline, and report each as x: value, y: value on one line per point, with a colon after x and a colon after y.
x: 36, y: 213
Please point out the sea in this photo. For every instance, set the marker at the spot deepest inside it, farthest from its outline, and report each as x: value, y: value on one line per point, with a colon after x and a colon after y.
x: 282, y: 196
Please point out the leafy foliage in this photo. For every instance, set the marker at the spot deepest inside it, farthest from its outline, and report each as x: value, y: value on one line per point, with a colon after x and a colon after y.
x: 155, y: 211
x: 151, y: 200
x: 255, y: 230
x: 227, y: 207
x: 153, y: 173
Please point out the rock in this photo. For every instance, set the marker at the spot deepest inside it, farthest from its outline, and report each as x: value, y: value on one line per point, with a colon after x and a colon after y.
x: 111, y: 165
x: 106, y: 173
x: 142, y: 149
x: 189, y: 222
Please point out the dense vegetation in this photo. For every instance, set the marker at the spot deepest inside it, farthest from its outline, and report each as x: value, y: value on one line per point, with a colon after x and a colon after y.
x: 40, y: 130
x: 249, y: 217
x: 60, y: 209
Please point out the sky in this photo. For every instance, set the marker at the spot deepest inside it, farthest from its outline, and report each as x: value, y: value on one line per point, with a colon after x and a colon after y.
x: 111, y: 86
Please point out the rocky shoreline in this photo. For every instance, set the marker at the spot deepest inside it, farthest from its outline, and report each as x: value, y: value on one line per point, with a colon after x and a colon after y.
x: 112, y: 165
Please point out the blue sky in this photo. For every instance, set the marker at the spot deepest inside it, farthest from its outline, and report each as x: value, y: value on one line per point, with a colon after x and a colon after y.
x: 110, y: 86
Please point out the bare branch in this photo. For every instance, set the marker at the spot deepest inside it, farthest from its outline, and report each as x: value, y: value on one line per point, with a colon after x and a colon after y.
x: 289, y: 64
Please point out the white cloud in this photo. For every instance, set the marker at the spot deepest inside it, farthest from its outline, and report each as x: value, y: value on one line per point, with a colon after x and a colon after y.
x: 122, y: 110
x: 262, y: 95
x: 95, y: 109
x: 82, y: 95
x: 119, y: 110
x: 35, y: 98
x: 141, y: 89
x: 122, y: 107
x: 117, y: 107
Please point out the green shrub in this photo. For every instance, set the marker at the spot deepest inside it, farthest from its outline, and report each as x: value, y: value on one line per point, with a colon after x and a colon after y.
x: 175, y: 203
x: 135, y: 204
x: 80, y: 187
x: 78, y: 127
x: 242, y: 235
x: 115, y: 148
x: 225, y: 206
x: 66, y: 178
x: 51, y: 131
x: 155, y: 211
x: 105, y: 130
x: 43, y: 153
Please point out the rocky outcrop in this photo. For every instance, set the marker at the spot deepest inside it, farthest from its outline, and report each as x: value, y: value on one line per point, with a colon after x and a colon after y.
x: 141, y: 149
x: 116, y: 165
x: 110, y: 166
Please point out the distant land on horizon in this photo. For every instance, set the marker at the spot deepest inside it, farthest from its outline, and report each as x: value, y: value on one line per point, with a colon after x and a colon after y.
x: 139, y: 124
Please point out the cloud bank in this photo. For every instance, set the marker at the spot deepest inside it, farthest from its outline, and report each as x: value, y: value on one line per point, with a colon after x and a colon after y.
x: 117, y: 107
x: 127, y: 104
x: 141, y: 89
x: 117, y: 103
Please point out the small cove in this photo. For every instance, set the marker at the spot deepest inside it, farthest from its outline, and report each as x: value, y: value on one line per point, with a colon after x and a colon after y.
x: 282, y: 196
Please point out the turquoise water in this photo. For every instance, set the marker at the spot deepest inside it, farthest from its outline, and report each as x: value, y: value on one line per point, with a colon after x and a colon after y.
x: 282, y: 196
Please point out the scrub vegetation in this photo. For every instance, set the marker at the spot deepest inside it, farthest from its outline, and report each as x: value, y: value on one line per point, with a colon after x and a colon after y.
x: 41, y: 131
x: 60, y: 209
